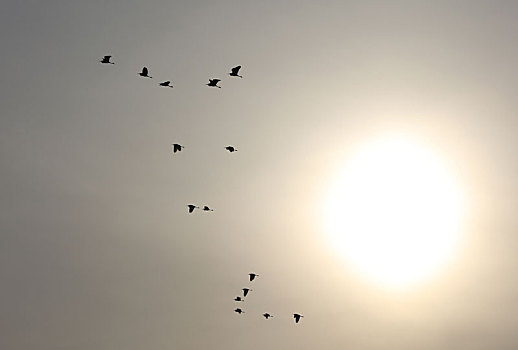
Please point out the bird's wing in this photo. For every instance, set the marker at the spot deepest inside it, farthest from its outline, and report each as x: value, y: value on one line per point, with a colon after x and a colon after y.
x: 144, y: 71
x: 235, y: 70
x: 107, y: 58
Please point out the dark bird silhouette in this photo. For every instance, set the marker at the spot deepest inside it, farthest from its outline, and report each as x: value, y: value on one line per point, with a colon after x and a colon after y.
x: 214, y: 83
x: 246, y: 290
x: 234, y: 72
x: 177, y: 147
x: 238, y: 298
x: 166, y: 84
x: 239, y: 311
x: 145, y: 73
x: 297, y: 317
x: 191, y: 207
x: 252, y: 276
x: 206, y: 208
x: 267, y: 315
x: 231, y: 149
x: 106, y: 59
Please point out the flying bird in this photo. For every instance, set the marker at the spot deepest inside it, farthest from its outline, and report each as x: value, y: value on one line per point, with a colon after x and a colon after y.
x: 106, y: 59
x: 245, y: 291
x: 239, y: 311
x: 234, y: 72
x: 231, y: 149
x: 214, y: 83
x: 238, y: 298
x: 267, y: 315
x: 145, y: 73
x: 177, y: 147
x: 297, y: 317
x: 252, y: 276
x: 206, y: 208
x: 166, y: 84
x: 191, y: 207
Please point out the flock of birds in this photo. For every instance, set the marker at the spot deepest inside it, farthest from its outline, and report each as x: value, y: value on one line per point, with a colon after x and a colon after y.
x: 234, y: 72
x: 266, y: 315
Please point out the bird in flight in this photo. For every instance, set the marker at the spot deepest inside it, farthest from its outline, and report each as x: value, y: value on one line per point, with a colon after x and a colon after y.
x: 166, y: 84
x: 239, y: 311
x: 231, y: 149
x: 253, y: 276
x: 191, y: 207
x: 297, y: 317
x: 214, y: 83
x: 234, y: 72
x: 245, y: 291
x: 106, y: 59
x: 238, y: 298
x: 176, y: 147
x: 145, y: 73
x: 206, y: 208
x: 267, y: 315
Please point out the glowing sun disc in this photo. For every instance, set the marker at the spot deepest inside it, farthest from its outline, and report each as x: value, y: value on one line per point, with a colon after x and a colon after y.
x: 394, y: 212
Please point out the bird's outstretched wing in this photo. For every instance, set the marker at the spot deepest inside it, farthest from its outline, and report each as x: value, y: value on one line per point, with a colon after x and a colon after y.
x: 107, y: 58
x: 215, y: 81
x: 235, y: 70
x: 145, y: 71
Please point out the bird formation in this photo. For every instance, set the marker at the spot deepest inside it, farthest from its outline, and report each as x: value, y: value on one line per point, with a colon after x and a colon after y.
x: 192, y: 207
x: 175, y: 147
x: 234, y: 72
x: 212, y: 83
x: 252, y: 276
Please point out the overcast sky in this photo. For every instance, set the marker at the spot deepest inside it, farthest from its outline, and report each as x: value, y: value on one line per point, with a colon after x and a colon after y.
x: 97, y: 250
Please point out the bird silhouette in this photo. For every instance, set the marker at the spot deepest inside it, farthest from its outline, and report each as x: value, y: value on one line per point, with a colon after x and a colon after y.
x: 191, y: 207
x: 106, y: 59
x: 238, y: 298
x: 145, y: 73
x: 177, y: 147
x: 214, y: 83
x: 297, y: 317
x: 234, y: 72
x: 231, y: 149
x: 245, y: 291
x: 166, y: 84
x: 206, y: 208
x: 239, y: 311
x: 267, y: 315
x: 253, y: 276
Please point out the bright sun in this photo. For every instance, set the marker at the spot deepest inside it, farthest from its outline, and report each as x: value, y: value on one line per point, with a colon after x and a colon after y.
x: 394, y: 212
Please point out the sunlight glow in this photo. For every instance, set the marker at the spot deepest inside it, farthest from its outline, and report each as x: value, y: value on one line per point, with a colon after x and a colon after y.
x: 394, y: 212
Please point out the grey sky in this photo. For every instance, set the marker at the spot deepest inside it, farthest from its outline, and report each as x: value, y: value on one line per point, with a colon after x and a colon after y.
x: 96, y: 248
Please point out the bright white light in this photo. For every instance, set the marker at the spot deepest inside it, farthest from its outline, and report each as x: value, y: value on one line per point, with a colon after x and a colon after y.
x: 394, y: 212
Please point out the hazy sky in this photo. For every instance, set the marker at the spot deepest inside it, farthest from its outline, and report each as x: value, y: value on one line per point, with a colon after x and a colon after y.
x: 97, y: 250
